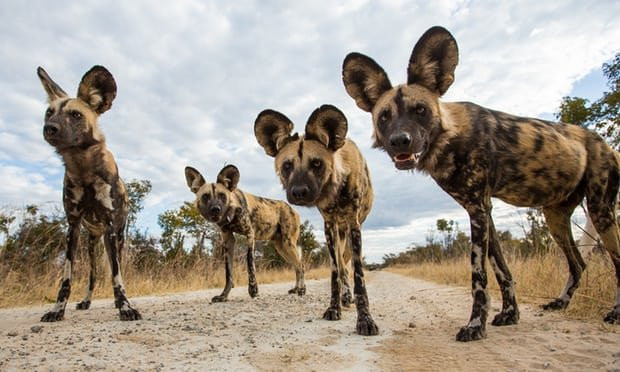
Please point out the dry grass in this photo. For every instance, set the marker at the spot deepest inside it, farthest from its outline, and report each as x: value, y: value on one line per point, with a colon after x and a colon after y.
x: 30, y: 288
x: 538, y: 280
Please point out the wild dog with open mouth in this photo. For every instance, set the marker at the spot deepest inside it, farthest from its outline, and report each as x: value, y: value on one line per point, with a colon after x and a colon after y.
x: 236, y: 211
x: 325, y: 169
x: 94, y: 195
x: 475, y: 153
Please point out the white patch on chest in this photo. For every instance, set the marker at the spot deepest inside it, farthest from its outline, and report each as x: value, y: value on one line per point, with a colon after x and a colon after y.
x: 102, y: 193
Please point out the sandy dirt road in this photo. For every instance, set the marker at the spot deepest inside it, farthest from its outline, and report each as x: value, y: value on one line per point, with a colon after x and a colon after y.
x: 276, y: 331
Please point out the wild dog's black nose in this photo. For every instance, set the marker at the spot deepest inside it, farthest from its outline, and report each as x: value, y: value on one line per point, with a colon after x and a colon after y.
x: 50, y: 130
x: 215, y: 210
x: 300, y: 192
x: 400, y: 140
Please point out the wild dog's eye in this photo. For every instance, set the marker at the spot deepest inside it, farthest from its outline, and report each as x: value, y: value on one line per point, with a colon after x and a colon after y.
x: 316, y: 164
x: 287, y: 166
x: 76, y: 114
x: 384, y: 116
x: 420, y: 110
x: 49, y: 112
x: 205, y: 197
x: 221, y: 196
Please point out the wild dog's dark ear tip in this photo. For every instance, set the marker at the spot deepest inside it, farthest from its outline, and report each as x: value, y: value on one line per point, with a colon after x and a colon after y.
x: 328, y: 107
x: 437, y: 29
x: 230, y: 168
x: 189, y: 169
x: 99, y: 69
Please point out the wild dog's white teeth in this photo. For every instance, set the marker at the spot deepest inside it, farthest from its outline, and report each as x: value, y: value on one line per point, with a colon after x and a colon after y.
x: 416, y: 156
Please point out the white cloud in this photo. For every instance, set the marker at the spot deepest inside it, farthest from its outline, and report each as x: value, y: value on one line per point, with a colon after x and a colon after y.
x: 193, y: 75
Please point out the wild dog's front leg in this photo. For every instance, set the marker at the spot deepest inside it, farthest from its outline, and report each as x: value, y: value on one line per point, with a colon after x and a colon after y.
x: 73, y: 239
x: 476, y: 328
x: 113, y: 240
x: 252, y: 285
x: 92, y: 255
x: 334, y: 309
x: 365, y: 324
x: 228, y: 243
x: 510, y: 310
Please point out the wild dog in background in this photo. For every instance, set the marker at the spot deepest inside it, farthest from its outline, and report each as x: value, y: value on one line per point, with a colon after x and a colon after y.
x: 93, y: 194
x: 475, y: 153
x: 236, y: 211
x: 325, y: 169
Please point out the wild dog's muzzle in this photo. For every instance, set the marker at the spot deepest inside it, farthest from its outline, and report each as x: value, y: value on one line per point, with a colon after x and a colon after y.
x: 403, y: 152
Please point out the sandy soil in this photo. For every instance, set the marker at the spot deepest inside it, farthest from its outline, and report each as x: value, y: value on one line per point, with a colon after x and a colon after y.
x: 276, y: 331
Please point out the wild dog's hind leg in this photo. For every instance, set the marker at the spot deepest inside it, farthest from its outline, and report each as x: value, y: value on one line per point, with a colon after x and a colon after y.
x: 73, y: 240
x: 228, y: 243
x: 602, y: 198
x: 92, y: 256
x: 334, y: 309
x: 365, y: 324
x: 292, y: 254
x: 558, y: 221
x: 113, y: 239
x: 510, y: 310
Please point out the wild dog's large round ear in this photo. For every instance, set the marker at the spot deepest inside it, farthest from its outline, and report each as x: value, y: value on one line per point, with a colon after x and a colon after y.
x: 364, y: 80
x: 272, y: 130
x: 433, y: 60
x: 97, y: 89
x: 194, y: 179
x: 328, y: 125
x: 51, y: 88
x: 229, y: 177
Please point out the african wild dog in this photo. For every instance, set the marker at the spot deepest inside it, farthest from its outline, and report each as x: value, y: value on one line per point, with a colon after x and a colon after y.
x: 93, y: 193
x: 325, y: 169
x: 236, y: 211
x: 475, y: 153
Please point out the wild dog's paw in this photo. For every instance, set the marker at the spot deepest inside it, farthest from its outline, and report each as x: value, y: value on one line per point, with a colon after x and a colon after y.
x: 557, y: 304
x: 298, y: 290
x: 366, y: 326
x: 83, y: 305
x: 129, y: 314
x: 506, y: 318
x: 613, y: 317
x: 332, y: 313
x: 253, y: 290
x: 346, y: 299
x: 219, y: 298
x: 471, y: 333
x: 53, y: 316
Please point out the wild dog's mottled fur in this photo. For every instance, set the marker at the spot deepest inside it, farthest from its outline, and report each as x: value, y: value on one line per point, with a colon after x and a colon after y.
x: 475, y: 153
x: 93, y: 195
x: 324, y: 169
x: 236, y: 211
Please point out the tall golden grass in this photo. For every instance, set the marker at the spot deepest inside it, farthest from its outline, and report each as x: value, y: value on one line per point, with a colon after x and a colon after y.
x: 538, y: 280
x: 20, y: 288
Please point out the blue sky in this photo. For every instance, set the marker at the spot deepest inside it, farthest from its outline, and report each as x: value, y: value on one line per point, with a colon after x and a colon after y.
x: 193, y: 75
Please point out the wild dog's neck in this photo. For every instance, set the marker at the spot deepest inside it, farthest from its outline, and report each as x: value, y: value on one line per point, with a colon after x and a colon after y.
x: 81, y: 163
x: 330, y: 193
x: 450, y: 126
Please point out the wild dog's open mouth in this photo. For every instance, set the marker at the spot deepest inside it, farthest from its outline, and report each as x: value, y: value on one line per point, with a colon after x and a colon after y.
x: 406, y: 160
